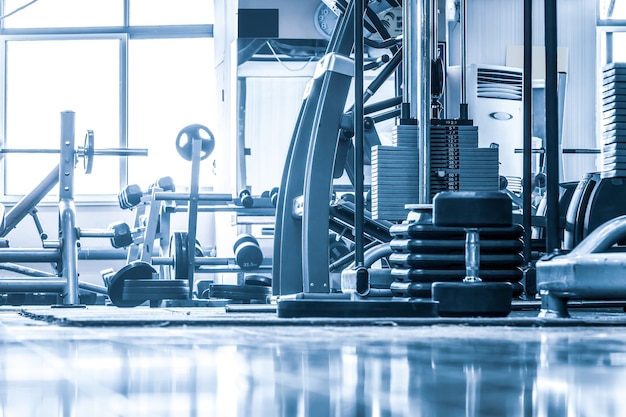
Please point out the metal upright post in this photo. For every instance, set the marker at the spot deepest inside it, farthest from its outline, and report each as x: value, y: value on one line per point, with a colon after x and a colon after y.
x: 67, y: 210
x: 359, y: 214
x: 552, y: 129
x: 530, y: 284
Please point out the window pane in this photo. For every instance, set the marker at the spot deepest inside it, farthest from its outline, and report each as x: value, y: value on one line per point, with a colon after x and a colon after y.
x: 166, y: 12
x: 619, y: 52
x: 171, y: 85
x: 45, y: 78
x: 65, y: 13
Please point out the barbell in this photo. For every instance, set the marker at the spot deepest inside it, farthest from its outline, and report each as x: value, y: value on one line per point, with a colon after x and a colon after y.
x: 87, y: 151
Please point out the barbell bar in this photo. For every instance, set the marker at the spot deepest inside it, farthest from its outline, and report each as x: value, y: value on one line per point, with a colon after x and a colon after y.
x: 87, y: 151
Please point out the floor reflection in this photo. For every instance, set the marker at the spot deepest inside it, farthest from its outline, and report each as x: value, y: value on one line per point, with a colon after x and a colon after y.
x: 306, y: 371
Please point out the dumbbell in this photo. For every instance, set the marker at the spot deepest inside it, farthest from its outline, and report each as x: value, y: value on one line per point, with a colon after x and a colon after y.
x: 122, y: 235
x: 274, y: 196
x: 248, y: 253
x: 246, y: 198
x: 130, y: 196
x: 164, y: 184
x: 472, y: 210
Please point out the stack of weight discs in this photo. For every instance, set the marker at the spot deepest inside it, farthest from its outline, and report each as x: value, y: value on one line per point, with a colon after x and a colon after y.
x: 456, y: 162
x: 424, y: 253
x: 614, y: 120
x: 395, y: 175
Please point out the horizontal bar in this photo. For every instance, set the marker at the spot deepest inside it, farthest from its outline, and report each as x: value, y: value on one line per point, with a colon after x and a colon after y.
x: 135, y: 32
x: 104, y: 152
x: 32, y: 285
x: 29, y: 255
x: 170, y: 196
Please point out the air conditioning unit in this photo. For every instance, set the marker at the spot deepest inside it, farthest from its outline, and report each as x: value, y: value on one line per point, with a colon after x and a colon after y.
x: 494, y: 98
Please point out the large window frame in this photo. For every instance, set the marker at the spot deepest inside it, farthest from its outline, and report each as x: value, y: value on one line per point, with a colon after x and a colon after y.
x: 122, y: 34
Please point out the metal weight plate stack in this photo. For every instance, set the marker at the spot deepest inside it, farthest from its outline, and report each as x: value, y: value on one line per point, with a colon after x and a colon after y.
x: 457, y: 163
x: 424, y: 253
x: 395, y: 175
x: 614, y: 120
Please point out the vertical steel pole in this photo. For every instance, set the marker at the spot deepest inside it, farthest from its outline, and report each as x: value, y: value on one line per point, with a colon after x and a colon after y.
x: 67, y: 210
x: 423, y: 75
x: 530, y: 283
x: 552, y: 129
x: 359, y: 213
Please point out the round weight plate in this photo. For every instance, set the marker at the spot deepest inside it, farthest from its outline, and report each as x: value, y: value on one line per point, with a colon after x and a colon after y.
x: 411, y: 289
x: 178, y: 251
x: 429, y: 231
x: 425, y: 246
x: 258, y: 280
x: 88, y: 152
x: 434, y: 275
x: 447, y: 262
x: 132, y: 271
x: 155, y: 289
x: 185, y: 138
x: 462, y: 299
x: 244, y: 293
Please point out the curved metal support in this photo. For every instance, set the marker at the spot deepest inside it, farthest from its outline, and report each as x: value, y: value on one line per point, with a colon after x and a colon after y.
x: 589, y: 272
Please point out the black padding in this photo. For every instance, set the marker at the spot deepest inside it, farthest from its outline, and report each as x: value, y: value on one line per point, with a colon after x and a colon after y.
x: 471, y: 209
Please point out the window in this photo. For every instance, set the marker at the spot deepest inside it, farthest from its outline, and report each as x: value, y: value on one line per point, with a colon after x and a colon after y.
x: 134, y: 71
x: 611, y: 31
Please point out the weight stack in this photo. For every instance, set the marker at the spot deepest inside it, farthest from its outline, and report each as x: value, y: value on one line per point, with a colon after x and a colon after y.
x: 614, y: 120
x: 395, y: 175
x: 424, y: 253
x: 456, y: 161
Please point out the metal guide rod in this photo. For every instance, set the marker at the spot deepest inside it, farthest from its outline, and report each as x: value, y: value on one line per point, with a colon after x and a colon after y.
x: 552, y: 129
x: 527, y: 153
x: 424, y: 77
x: 463, y: 108
x: 359, y: 213
x: 67, y: 210
x: 196, y: 150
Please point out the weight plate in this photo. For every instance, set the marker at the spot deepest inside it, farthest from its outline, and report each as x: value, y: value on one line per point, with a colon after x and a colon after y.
x: 430, y: 231
x: 460, y: 299
x: 454, y: 246
x: 258, y: 280
x: 185, y: 138
x: 88, y: 152
x: 240, y: 292
x: 133, y: 271
x: 155, y: 289
x: 179, y: 253
x: 514, y: 274
x: 446, y: 262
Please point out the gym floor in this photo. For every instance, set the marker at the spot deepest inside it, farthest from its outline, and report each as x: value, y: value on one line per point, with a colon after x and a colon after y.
x: 109, y: 361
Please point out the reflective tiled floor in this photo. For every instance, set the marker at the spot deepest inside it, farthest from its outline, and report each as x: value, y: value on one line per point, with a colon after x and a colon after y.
x: 263, y: 370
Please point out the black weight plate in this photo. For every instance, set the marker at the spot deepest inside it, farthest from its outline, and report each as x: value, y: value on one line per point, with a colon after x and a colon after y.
x: 411, y: 289
x: 179, y: 252
x: 460, y: 299
x: 132, y: 271
x: 258, y: 280
x: 514, y: 274
x: 240, y: 292
x: 435, y: 261
x: 185, y: 138
x: 430, y: 231
x: 153, y: 289
x: 173, y: 284
x: 454, y: 246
